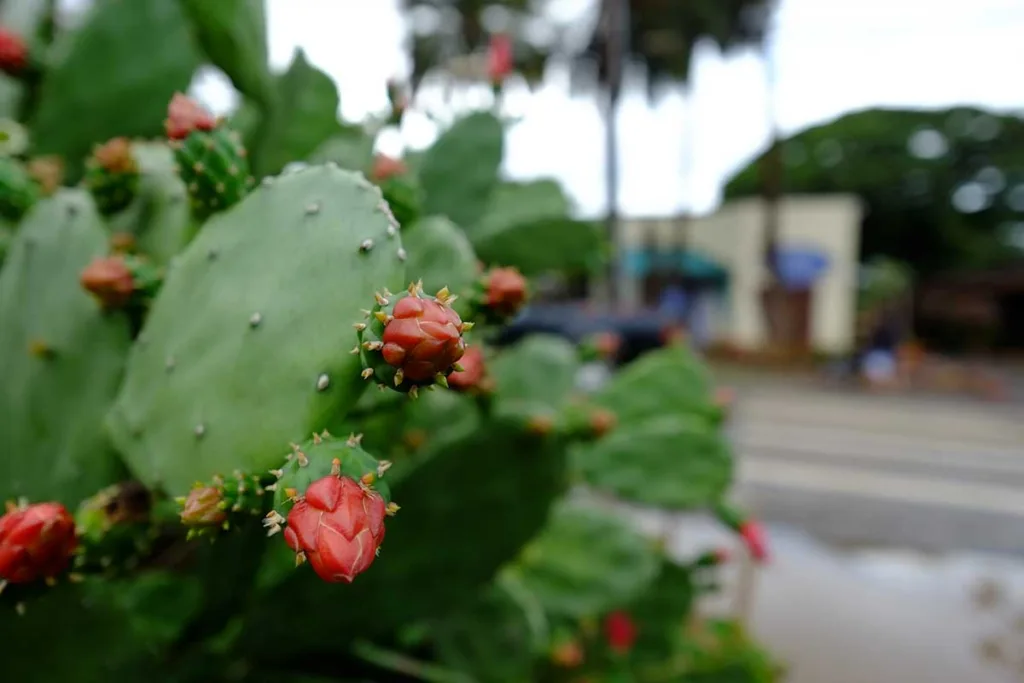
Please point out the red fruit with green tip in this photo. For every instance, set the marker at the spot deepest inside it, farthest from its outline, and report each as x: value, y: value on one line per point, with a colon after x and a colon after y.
x: 414, y: 342
x: 13, y: 52
x: 620, y: 632
x: 499, y: 58
x: 753, y: 534
x: 109, y: 280
x: 185, y: 115
x: 472, y: 376
x: 36, y: 542
x: 338, y: 526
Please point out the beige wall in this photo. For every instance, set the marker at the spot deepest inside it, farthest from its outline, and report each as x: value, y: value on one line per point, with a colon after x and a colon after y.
x: 734, y: 236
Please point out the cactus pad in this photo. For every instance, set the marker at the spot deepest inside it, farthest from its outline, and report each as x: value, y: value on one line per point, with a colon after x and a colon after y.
x: 246, y: 348
x: 18, y: 191
x: 61, y: 358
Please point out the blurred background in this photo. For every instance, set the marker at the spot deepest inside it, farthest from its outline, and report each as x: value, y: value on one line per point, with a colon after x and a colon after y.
x: 827, y: 198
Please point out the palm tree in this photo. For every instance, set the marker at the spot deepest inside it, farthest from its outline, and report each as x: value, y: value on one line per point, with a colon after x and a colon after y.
x: 658, y: 35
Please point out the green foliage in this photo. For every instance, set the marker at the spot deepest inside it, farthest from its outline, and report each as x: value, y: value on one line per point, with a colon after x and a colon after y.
x: 113, y: 77
x: 471, y: 150
x: 304, y: 114
x: 667, y: 449
x: 586, y: 562
x: 199, y: 395
x: 61, y: 358
x: 162, y: 225
x: 535, y: 377
x: 910, y: 198
x: 233, y: 34
x: 439, y: 253
x: 18, y: 192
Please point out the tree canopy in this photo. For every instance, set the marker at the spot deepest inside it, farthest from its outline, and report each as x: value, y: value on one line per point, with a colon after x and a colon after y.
x: 662, y: 34
x: 942, y: 189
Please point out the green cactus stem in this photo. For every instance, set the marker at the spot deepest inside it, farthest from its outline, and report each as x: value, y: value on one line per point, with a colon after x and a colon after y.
x: 114, y: 529
x: 18, y: 190
x: 112, y: 176
x: 211, y: 159
x: 224, y: 502
x: 412, y: 340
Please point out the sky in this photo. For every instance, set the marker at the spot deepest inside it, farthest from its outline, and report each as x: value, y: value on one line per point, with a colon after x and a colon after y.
x: 829, y: 57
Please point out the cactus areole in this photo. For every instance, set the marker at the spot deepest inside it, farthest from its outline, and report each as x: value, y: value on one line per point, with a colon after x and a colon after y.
x: 412, y: 341
x: 36, y: 542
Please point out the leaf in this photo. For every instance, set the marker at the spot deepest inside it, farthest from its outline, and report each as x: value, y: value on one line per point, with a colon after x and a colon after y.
x: 459, y: 172
x: 524, y: 216
x: 440, y: 255
x: 61, y: 357
x: 535, y: 376
x: 586, y: 562
x: 304, y: 115
x: 233, y: 34
x: 672, y: 461
x: 114, y: 76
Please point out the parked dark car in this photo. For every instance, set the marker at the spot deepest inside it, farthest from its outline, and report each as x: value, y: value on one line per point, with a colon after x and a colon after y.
x: 639, y: 331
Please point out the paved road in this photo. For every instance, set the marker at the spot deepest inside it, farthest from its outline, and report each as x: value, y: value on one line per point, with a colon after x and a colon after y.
x: 935, y: 475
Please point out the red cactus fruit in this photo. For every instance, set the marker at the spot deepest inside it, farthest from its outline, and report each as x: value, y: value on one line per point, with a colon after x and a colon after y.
x: 185, y: 115
x: 620, y: 632
x: 423, y: 339
x: 385, y: 167
x: 203, y: 507
x: 505, y: 291
x: 338, y: 525
x: 13, y: 52
x: 109, y: 280
x: 540, y: 425
x: 499, y: 58
x: 602, y: 421
x: 568, y: 654
x: 608, y: 344
x: 473, y: 371
x: 116, y: 156
x: 36, y: 542
x: 753, y: 534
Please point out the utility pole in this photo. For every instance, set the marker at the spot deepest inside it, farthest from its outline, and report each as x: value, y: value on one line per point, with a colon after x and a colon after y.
x: 775, y: 304
x: 616, y: 48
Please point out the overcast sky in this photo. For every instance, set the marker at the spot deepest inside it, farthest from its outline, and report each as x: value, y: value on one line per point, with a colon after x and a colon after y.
x: 832, y: 56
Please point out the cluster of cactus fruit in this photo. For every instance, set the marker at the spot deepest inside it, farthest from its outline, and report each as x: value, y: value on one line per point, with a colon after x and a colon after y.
x: 184, y: 323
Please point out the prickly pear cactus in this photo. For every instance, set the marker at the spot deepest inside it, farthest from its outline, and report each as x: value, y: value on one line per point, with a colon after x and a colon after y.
x: 441, y: 256
x: 213, y: 165
x: 162, y: 227
x: 61, y: 357
x: 18, y: 191
x: 112, y: 175
x: 247, y: 346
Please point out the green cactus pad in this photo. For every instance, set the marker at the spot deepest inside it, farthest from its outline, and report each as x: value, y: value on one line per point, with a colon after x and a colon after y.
x: 404, y: 197
x: 440, y: 255
x: 246, y: 348
x: 162, y: 228
x: 535, y: 377
x: 586, y: 561
x: 18, y: 191
x: 61, y: 357
x: 215, y: 169
x: 660, y: 610
x: 667, y: 448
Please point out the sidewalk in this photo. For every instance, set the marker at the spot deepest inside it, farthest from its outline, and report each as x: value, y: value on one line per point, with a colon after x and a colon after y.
x: 835, y: 617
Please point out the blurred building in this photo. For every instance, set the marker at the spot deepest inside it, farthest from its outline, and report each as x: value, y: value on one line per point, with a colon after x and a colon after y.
x: 718, y: 261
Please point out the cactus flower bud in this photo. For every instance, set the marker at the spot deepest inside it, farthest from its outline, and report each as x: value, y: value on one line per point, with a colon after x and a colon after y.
x: 620, y: 632
x: 415, y: 341
x: 602, y: 421
x: 753, y: 534
x: 471, y: 376
x: 36, y: 542
x: 499, y: 58
x: 109, y: 280
x: 385, y: 168
x: 48, y: 171
x: 506, y: 290
x: 185, y: 115
x: 13, y: 52
x: 203, y: 507
x: 337, y: 526
x: 568, y: 655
